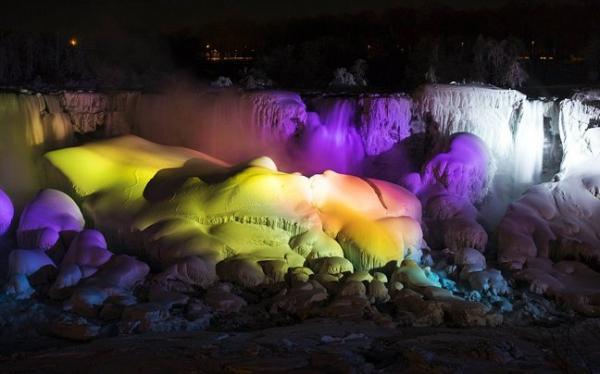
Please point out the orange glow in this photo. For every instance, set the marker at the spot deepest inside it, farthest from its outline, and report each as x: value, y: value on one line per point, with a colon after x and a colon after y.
x: 73, y: 42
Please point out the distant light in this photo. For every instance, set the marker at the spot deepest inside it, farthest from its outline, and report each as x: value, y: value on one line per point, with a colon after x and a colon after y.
x: 73, y: 42
x: 208, y: 46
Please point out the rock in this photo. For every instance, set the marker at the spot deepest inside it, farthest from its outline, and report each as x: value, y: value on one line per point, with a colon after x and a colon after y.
x: 437, y: 293
x: 395, y: 286
x: 241, y: 271
x: 329, y: 281
x: 68, y: 277
x: 220, y: 299
x: 18, y: 285
x: 86, y: 301
x: 28, y: 261
x: 145, y: 312
x: 125, y: 299
x: 141, y: 317
x: 353, y: 288
x: 111, y: 312
x: 300, y: 299
x: 350, y: 307
x: 470, y: 256
x: 420, y: 312
x: 115, y: 278
x: 196, y: 309
x: 299, y: 275
x: 275, y: 270
x: 359, y: 276
x: 411, y: 275
x: 168, y: 298
x: 378, y: 292
x: 381, y: 277
x: 489, y: 281
x: 470, y: 314
x: 122, y: 272
x: 193, y: 271
x: 74, y: 328
x: 331, y: 265
x: 315, y: 244
x: 88, y: 249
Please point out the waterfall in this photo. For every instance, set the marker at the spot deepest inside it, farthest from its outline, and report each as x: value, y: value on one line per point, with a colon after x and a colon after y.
x: 29, y: 126
x: 529, y: 144
x: 231, y: 125
x: 334, y: 142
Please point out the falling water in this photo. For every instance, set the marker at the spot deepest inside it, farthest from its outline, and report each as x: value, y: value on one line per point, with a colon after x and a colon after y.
x: 334, y: 142
x: 29, y: 126
x: 529, y: 144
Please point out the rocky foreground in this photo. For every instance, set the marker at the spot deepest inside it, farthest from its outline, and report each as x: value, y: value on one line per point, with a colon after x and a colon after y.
x: 320, y: 345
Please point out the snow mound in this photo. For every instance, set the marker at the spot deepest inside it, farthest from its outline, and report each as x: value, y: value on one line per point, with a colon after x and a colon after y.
x: 178, y: 203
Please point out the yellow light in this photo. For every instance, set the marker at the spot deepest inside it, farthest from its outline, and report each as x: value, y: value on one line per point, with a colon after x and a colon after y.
x: 73, y: 42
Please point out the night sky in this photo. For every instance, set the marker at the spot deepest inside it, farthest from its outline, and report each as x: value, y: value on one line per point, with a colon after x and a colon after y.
x: 166, y: 15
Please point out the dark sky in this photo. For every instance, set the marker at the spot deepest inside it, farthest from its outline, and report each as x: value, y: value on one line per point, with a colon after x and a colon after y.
x: 176, y: 14
x: 161, y: 14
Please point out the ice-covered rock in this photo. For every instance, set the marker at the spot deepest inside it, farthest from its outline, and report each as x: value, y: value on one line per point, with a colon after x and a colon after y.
x: 411, y: 275
x: 7, y: 212
x: 449, y: 186
x: 579, y: 134
x: 300, y: 299
x: 191, y: 270
x: 220, y: 298
x: 384, y: 121
x: 570, y: 282
x: 243, y: 271
x: 87, y: 250
x: 51, y: 216
x: 117, y: 277
x: 89, y: 112
x: 489, y: 281
x: 24, y: 264
x: 470, y: 257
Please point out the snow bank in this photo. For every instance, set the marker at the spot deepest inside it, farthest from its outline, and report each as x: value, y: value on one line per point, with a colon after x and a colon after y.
x: 179, y: 203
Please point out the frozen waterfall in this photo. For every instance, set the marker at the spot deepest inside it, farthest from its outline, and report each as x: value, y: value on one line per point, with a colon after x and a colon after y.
x: 529, y: 144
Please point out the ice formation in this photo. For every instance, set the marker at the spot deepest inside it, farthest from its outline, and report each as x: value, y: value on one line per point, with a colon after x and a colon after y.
x: 47, y: 219
x: 448, y: 187
x: 196, y: 206
x: 384, y: 121
x: 23, y: 264
x: 511, y: 126
x: 199, y: 220
x: 209, y: 120
x: 558, y: 221
x: 6, y: 212
x: 30, y: 125
x: 484, y: 112
x: 92, y: 112
x: 336, y: 133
